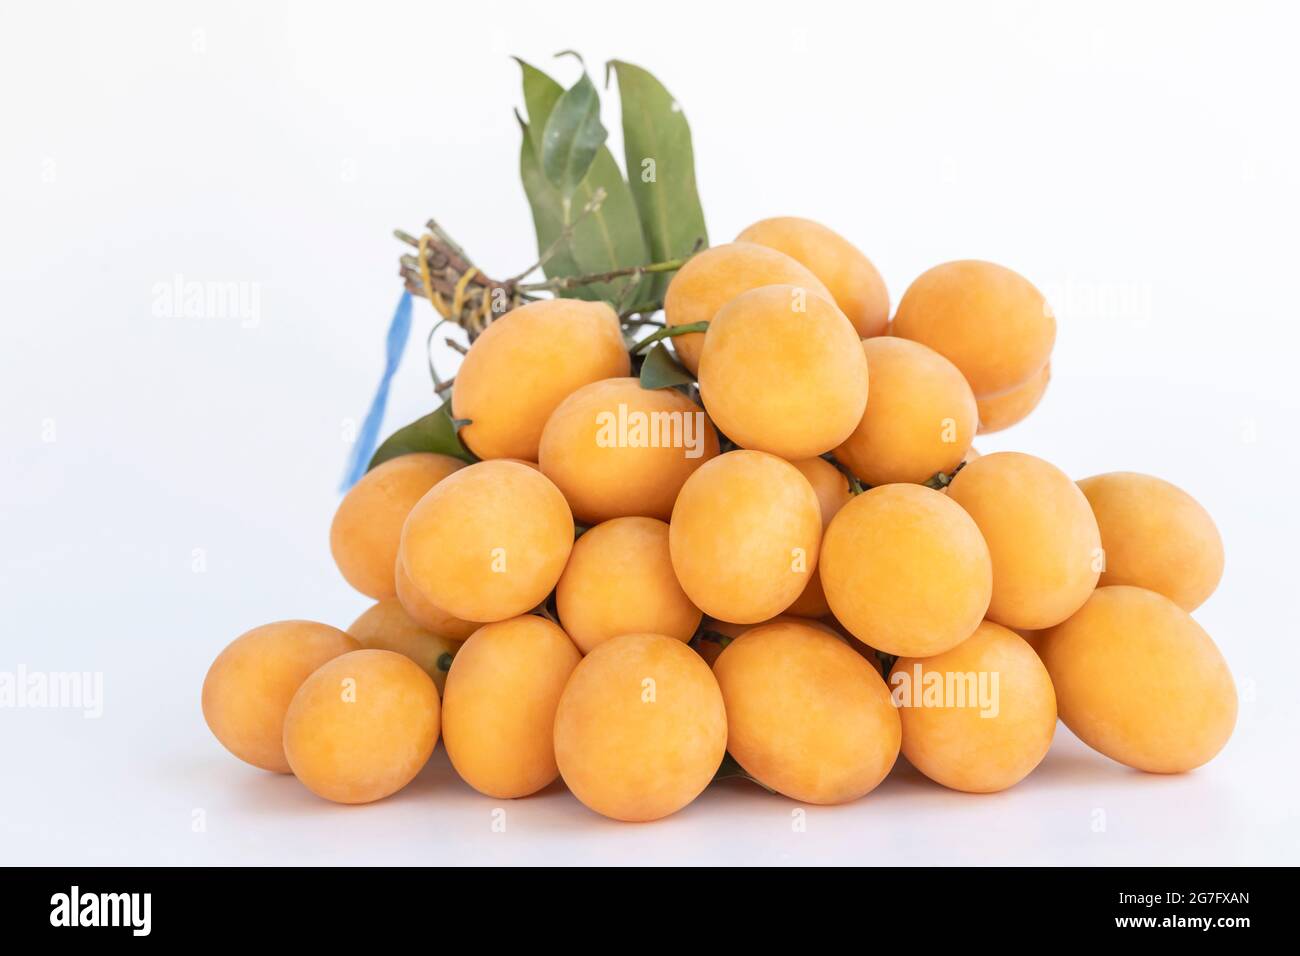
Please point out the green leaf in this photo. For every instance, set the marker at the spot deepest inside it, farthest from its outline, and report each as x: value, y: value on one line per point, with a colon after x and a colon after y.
x: 436, y: 432
x: 660, y: 168
x: 661, y: 370
x: 540, y: 95
x: 609, y: 238
x: 572, y: 136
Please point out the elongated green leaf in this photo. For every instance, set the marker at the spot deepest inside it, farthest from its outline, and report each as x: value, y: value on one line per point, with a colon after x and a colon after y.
x: 660, y: 167
x: 609, y: 238
x: 661, y: 370
x: 540, y: 95
x: 572, y: 136
x: 434, y: 432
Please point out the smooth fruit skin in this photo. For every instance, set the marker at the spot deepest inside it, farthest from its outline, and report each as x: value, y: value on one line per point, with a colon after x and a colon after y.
x: 744, y: 536
x: 368, y: 524
x: 782, y: 372
x: 362, y: 726
x: 906, y: 570
x: 640, y: 729
x: 249, y: 685
x: 427, y: 614
x: 388, y: 627
x: 490, y: 542
x: 620, y: 580
x: 972, y: 747
x: 1156, y: 536
x: 709, y: 647
x: 524, y: 364
x: 714, y: 277
x: 833, y: 493
x: 1140, y: 681
x: 920, y: 416
x: 989, y: 321
x: 998, y: 412
x: 1042, y: 536
x: 607, y: 467
x: 498, y: 712
x: 854, y: 282
x: 806, y: 715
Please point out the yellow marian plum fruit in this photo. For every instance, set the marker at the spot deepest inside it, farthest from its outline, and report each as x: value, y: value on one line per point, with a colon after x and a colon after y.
x: 978, y: 717
x: 782, y: 371
x: 919, y: 420
x: 989, y: 321
x: 1156, y: 536
x: 1140, y: 681
x: 854, y: 282
x: 744, y: 536
x: 806, y: 716
x: 715, y: 276
x: 368, y: 523
x: 906, y: 570
x: 428, y: 615
x: 617, y: 449
x: 1002, y: 411
x: 250, y: 684
x: 716, y: 636
x: 498, y: 714
x: 833, y: 493
x: 640, y: 730
x: 1043, y: 539
x: 620, y: 580
x: 388, y: 627
x: 360, y: 728
x: 526, y: 363
x: 488, y: 543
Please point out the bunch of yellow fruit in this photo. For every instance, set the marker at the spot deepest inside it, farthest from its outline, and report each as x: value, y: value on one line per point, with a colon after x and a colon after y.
x: 809, y: 568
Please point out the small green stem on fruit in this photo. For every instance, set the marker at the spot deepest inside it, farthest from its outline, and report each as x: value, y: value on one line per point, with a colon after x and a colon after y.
x: 444, y: 662
x: 940, y: 480
x: 669, y: 332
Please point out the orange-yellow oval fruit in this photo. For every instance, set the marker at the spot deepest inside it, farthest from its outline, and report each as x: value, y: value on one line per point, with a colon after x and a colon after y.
x: 980, y: 716
x: 989, y: 321
x: 715, y: 276
x: 1140, y: 681
x: 1156, y: 536
x: 1042, y: 536
x: 489, y: 542
x: 617, y: 449
x: 782, y: 371
x: 620, y: 580
x: 744, y: 536
x: 906, y: 570
x: 806, y: 715
x: 1002, y: 411
x: 498, y: 712
x: 716, y: 636
x: 427, y: 614
x: 387, y: 627
x: 854, y: 282
x: 524, y: 364
x: 640, y: 729
x: 833, y: 493
x: 362, y: 726
x: 919, y: 420
x: 368, y: 524
x: 249, y: 685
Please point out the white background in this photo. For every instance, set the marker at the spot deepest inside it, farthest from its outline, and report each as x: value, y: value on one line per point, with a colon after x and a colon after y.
x: 1138, y: 162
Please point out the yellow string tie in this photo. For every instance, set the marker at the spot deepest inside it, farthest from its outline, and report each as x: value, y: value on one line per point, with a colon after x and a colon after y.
x: 438, y: 302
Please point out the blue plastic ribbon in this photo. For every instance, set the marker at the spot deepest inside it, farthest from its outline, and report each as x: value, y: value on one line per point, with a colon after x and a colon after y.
x: 399, y: 330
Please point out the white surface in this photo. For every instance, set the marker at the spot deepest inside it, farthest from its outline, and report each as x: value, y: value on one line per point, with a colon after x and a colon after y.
x: 1138, y: 162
